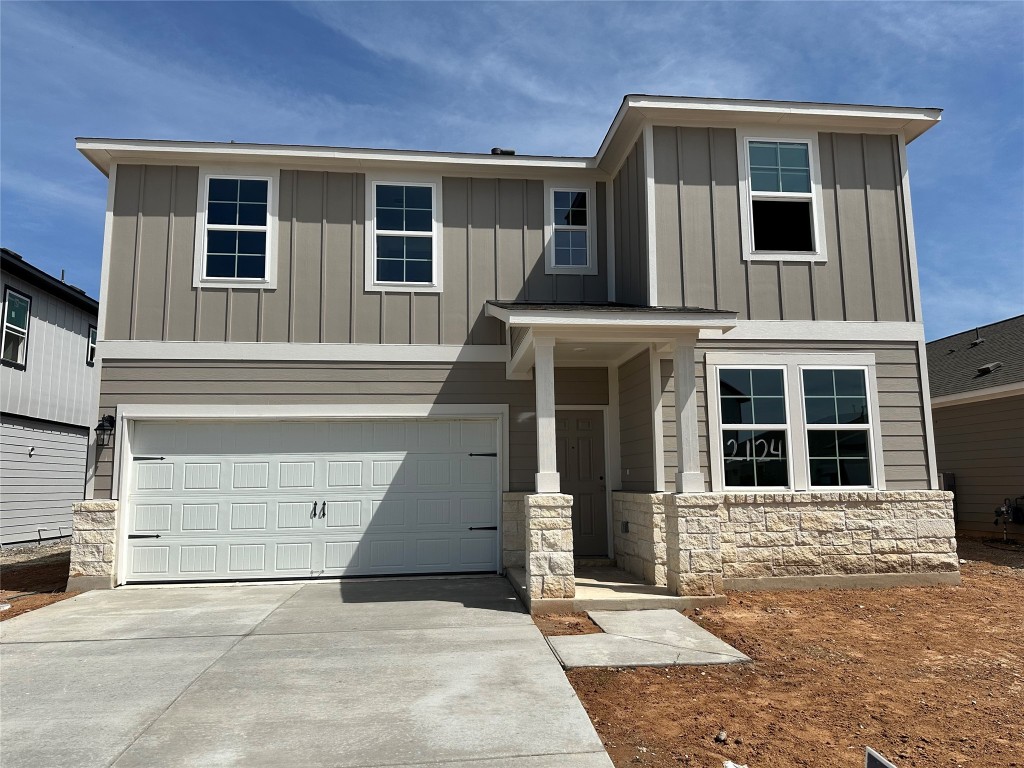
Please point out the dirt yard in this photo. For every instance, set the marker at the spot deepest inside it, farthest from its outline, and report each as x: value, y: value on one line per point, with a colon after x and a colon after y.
x: 31, y: 577
x: 930, y: 677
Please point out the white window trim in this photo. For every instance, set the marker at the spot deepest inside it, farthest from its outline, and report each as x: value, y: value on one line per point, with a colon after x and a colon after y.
x: 550, y: 268
x: 269, y: 281
x: 799, y: 460
x: 21, y: 364
x: 743, y: 139
x: 787, y: 428
x: 370, y: 283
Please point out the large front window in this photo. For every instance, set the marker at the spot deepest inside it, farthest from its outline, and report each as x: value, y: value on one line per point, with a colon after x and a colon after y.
x: 15, y: 329
x: 838, y: 427
x: 237, y: 228
x: 404, y: 224
x: 755, y: 427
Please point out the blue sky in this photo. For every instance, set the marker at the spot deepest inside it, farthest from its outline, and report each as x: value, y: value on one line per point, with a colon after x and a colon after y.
x: 544, y: 78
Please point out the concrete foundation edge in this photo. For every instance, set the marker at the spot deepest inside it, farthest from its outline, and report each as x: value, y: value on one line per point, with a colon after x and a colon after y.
x: 87, y: 583
x: 841, y: 581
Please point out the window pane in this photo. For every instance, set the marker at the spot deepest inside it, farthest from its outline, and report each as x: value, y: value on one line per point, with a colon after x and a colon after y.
x: 764, y: 153
x: 849, y: 383
x: 390, y: 270
x: 824, y: 472
x: 563, y: 239
x: 251, y: 266
x: 419, y: 248
x: 418, y: 221
x: 739, y: 473
x: 772, y: 472
x: 563, y: 257
x: 390, y: 247
x: 769, y: 410
x: 14, y: 346
x: 578, y: 218
x: 252, y: 191
x: 737, y: 410
x: 562, y: 217
x: 390, y: 219
x: 252, y: 214
x: 220, y: 265
x: 578, y: 239
x: 796, y: 181
x: 579, y: 200
x: 579, y: 258
x: 755, y: 458
x: 793, y: 156
x: 818, y: 383
x: 852, y: 443
x: 783, y: 225
x: 418, y: 272
x: 222, y: 213
x: 563, y: 200
x: 734, y: 381
x: 223, y: 190
x: 17, y: 311
x: 764, y: 181
x: 390, y: 196
x: 252, y: 242
x: 219, y: 241
x: 851, y: 410
x: 767, y: 381
x: 820, y: 410
x: 855, y: 471
x: 418, y: 197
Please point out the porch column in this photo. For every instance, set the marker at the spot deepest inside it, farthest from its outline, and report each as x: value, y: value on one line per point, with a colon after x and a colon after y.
x: 547, y: 480
x: 689, y: 478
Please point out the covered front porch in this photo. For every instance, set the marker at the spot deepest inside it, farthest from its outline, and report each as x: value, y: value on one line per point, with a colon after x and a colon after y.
x: 592, y: 533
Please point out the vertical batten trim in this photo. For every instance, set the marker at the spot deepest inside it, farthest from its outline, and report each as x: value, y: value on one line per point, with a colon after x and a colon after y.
x: 657, y: 414
x: 926, y: 401
x: 839, y: 229
x: 134, y: 313
x: 712, y: 187
x: 323, y: 260
x: 291, y: 256
x: 652, y: 238
x: 915, y: 285
x: 469, y: 258
x: 166, y: 322
x: 682, y: 217
x: 227, y: 314
x: 352, y: 262
x: 867, y: 221
x: 609, y: 237
x: 108, y: 232
x: 901, y: 229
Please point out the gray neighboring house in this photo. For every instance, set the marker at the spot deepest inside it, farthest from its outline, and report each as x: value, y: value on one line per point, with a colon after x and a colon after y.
x: 49, y: 384
x: 977, y: 386
x: 697, y: 354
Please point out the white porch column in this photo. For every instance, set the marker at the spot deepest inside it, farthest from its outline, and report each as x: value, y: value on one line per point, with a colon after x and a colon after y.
x: 689, y: 478
x: 544, y: 379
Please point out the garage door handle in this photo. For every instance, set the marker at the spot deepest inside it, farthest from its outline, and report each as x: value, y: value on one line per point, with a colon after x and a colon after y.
x: 143, y: 535
x: 323, y: 510
x: 492, y: 455
x: 484, y: 528
x: 312, y: 512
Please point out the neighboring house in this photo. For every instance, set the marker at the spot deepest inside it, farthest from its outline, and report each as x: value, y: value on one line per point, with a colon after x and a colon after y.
x: 332, y: 362
x: 48, y: 389
x: 977, y: 386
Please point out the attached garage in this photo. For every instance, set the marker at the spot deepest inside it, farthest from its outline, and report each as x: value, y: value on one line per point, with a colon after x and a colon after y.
x: 219, y: 500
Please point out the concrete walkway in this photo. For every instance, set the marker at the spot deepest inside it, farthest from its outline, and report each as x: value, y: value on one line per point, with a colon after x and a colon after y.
x: 658, y: 638
x: 431, y: 672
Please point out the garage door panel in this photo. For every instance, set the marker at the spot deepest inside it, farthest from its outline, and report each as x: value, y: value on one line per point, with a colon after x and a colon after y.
x: 301, y: 499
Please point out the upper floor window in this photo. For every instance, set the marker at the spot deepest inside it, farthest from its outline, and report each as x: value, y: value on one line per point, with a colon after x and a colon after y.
x: 403, y: 236
x: 90, y: 350
x: 570, y: 231
x: 235, y: 234
x: 779, y: 181
x: 17, y: 310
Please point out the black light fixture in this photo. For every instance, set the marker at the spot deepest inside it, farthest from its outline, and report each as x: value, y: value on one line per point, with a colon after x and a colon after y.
x: 104, y: 431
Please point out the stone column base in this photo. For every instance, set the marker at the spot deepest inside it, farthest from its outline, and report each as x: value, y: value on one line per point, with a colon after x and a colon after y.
x: 93, y: 543
x: 638, y: 527
x: 550, y: 572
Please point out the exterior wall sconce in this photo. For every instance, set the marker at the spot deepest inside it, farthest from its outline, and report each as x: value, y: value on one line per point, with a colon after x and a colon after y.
x: 105, y: 431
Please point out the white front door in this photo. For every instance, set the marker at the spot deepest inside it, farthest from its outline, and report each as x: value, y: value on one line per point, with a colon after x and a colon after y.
x: 251, y: 500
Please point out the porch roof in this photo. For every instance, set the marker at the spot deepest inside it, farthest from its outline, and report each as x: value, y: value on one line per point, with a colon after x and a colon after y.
x: 611, y: 315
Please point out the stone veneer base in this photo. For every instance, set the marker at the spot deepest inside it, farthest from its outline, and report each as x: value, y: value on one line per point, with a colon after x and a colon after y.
x: 841, y: 581
x: 93, y: 541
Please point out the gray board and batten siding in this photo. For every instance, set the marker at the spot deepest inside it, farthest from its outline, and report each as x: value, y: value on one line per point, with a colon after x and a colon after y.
x: 901, y: 407
x: 493, y: 248
x: 629, y: 200
x: 127, y: 382
x: 867, y: 275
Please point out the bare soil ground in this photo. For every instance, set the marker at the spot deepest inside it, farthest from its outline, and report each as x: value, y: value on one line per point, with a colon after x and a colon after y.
x: 31, y: 577
x: 932, y: 677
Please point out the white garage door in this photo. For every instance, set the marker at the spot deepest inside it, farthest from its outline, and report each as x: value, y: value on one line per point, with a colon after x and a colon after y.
x: 252, y: 500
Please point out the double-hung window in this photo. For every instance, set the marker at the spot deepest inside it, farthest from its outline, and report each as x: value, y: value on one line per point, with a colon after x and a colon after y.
x: 570, y: 246
x: 90, y: 349
x: 404, y: 236
x: 235, y: 235
x: 781, y: 189
x: 838, y: 427
x: 806, y: 422
x: 755, y: 428
x: 17, y: 311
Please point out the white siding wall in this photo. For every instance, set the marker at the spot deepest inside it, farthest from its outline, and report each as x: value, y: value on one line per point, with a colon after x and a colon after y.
x: 56, y: 384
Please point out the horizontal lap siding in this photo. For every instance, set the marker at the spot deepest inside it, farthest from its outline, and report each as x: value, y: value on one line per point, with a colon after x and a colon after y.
x: 700, y: 260
x: 900, y: 406
x: 493, y: 248
x: 37, y: 490
x: 982, y: 445
x: 294, y: 383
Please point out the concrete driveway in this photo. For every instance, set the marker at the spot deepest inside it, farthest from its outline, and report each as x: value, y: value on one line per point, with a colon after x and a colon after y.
x: 415, y: 672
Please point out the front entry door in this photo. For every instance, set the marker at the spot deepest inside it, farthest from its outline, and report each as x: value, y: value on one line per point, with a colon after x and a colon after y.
x: 580, y: 447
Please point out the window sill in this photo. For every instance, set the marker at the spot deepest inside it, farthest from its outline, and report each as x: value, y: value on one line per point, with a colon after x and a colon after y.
x: 553, y: 270
x: 14, y: 365
x: 252, y: 285
x: 777, y: 256
x: 403, y: 288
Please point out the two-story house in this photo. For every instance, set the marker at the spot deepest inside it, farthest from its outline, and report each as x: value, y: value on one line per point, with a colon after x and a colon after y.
x: 48, y: 389
x: 698, y: 353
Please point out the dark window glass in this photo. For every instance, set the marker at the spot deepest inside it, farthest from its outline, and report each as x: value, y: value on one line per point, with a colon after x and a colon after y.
x: 401, y: 208
x: 220, y: 265
x: 418, y: 272
x: 252, y: 191
x: 390, y: 219
x: 235, y: 252
x: 419, y: 198
x: 390, y: 196
x: 222, y: 213
x: 418, y: 248
x: 390, y: 270
x: 252, y: 242
x: 835, y: 397
x: 251, y: 266
x: 839, y: 457
x: 418, y: 221
x: 570, y: 210
x: 783, y: 225
x: 224, y: 190
x: 766, y: 404
x: 390, y: 247
x: 819, y: 383
x: 220, y: 241
x: 848, y: 383
x: 755, y: 458
x: 252, y: 214
x: 733, y: 381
